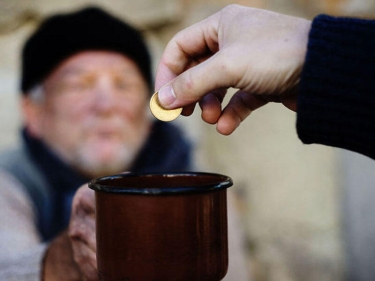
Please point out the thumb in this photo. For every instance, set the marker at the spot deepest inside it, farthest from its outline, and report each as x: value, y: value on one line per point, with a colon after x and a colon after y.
x: 194, y: 83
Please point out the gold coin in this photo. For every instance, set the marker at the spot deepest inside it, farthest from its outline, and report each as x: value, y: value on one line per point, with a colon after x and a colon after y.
x: 160, y: 112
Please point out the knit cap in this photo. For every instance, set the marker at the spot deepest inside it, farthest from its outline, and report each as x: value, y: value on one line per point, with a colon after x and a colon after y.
x: 63, y: 35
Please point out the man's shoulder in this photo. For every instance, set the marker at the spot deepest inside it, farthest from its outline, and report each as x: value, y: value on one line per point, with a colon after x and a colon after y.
x: 12, y: 157
x: 17, y: 162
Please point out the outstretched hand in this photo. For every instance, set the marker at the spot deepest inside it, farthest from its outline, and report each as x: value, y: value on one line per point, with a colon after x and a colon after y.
x: 72, y: 254
x: 82, y: 232
x: 260, y: 53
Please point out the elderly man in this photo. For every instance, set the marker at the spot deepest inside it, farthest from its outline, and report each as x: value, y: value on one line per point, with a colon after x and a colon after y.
x: 86, y: 82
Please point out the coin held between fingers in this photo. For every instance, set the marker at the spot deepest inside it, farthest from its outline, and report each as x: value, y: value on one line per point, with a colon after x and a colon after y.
x: 160, y: 112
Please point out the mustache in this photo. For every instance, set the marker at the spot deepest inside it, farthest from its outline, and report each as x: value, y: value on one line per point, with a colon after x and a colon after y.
x: 106, y: 124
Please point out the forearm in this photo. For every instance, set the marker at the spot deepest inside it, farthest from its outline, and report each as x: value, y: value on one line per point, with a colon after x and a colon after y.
x: 337, y: 91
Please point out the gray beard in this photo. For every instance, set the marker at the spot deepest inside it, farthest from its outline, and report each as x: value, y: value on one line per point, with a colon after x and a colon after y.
x: 123, y: 160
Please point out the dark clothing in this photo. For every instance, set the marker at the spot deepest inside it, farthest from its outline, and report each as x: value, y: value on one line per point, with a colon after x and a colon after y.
x: 336, y: 101
x: 336, y: 107
x: 51, y: 183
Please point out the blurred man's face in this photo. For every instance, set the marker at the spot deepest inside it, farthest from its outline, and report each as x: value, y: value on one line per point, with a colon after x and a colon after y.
x: 94, y: 112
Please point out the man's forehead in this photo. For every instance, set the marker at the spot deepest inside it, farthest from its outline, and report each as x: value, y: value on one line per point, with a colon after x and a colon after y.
x: 90, y: 61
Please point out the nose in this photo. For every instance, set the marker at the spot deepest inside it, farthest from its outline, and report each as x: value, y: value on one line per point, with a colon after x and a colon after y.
x: 104, y: 95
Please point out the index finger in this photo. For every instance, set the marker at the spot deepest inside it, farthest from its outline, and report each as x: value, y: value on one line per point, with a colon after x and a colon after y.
x: 187, y: 48
x: 84, y: 200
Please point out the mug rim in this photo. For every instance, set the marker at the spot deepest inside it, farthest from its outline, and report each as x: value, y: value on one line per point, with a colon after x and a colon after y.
x: 222, y: 182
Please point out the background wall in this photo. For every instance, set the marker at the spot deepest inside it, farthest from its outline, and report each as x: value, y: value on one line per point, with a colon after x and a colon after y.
x: 290, y: 195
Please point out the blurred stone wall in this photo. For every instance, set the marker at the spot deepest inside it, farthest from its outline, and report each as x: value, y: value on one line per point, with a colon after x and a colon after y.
x: 289, y: 194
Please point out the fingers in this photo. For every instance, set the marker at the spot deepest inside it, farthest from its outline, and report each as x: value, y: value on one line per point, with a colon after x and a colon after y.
x: 290, y: 101
x: 59, y: 263
x: 83, y: 229
x: 86, y: 260
x: 211, y: 106
x: 82, y: 232
x: 188, y: 110
x: 239, y: 107
x: 193, y: 84
x: 189, y: 45
x: 82, y: 223
x: 189, y: 53
x: 84, y: 199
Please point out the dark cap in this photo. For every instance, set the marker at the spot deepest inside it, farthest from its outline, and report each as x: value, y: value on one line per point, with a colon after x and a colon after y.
x: 63, y: 35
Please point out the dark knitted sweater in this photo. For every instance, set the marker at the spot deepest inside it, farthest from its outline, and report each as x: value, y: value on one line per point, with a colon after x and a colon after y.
x: 336, y: 102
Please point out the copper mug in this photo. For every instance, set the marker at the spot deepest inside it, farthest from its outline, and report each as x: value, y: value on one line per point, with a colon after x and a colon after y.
x: 161, y: 227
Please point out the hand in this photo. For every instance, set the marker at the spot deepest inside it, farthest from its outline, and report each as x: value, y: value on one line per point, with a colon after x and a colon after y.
x: 72, y: 255
x: 82, y: 232
x: 59, y: 264
x: 258, y: 52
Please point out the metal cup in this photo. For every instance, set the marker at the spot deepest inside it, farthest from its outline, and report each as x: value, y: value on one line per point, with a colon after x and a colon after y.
x: 161, y: 226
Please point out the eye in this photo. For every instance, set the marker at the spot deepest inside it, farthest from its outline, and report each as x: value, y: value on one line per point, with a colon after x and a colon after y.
x: 80, y: 86
x: 122, y: 84
x: 76, y: 86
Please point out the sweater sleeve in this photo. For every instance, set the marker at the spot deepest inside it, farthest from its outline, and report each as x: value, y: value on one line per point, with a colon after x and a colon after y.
x: 336, y: 101
x: 20, y: 247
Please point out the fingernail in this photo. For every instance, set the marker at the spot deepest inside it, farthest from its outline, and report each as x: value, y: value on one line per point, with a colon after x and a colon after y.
x: 166, y: 95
